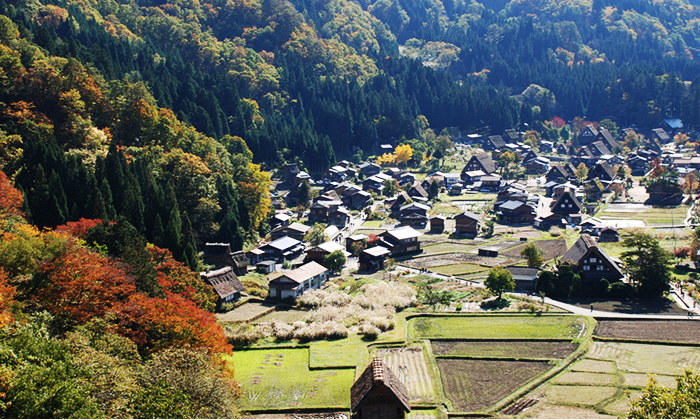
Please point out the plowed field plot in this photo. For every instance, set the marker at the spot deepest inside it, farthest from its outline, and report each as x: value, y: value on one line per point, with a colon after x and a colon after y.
x: 457, y: 258
x: 679, y: 330
x: 515, y: 349
x: 280, y: 378
x: 473, y: 385
x: 553, y: 248
x: 410, y: 366
x: 245, y: 312
x: 485, y: 327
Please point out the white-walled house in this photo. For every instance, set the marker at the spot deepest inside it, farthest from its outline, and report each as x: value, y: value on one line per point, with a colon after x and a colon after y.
x: 292, y: 284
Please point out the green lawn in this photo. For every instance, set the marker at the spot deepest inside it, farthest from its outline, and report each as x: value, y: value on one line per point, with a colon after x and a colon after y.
x: 281, y: 378
x: 448, y: 247
x: 513, y: 327
x: 351, y: 351
x: 373, y: 224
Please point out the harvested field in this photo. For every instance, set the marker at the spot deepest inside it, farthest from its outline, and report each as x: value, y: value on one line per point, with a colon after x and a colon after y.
x: 586, y: 378
x: 284, y: 314
x: 245, y: 312
x: 552, y: 248
x: 411, y: 367
x: 677, y: 330
x: 459, y: 269
x: 503, y: 245
x: 514, y: 349
x: 451, y: 259
x: 631, y: 306
x: 579, y: 395
x: 591, y: 365
x: 448, y: 246
x: 648, y: 358
x: 641, y: 380
x: 474, y: 385
x: 621, y: 406
x: 549, y: 411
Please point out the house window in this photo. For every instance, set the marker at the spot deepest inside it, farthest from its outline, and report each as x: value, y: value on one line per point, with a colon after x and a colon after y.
x: 592, y: 259
x: 601, y: 268
x: 586, y: 267
x: 569, y: 205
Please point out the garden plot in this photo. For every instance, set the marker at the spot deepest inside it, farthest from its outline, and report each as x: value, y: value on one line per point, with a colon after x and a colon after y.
x: 519, y: 349
x: 553, y: 248
x: 648, y: 358
x: 245, y: 312
x: 473, y: 385
x: 677, y: 330
x: 411, y: 367
x: 281, y: 378
x: 498, y: 327
x: 456, y: 258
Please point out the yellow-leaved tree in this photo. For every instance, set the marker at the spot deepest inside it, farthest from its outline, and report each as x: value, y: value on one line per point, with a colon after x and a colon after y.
x: 403, y: 153
x: 386, y: 159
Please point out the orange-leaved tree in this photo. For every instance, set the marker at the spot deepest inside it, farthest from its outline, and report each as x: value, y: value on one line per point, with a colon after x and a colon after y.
x: 7, y: 294
x: 80, y: 284
x: 156, y: 323
x: 175, y: 277
x: 10, y: 197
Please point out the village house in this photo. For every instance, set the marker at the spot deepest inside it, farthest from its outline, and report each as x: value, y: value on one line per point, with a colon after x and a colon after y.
x: 516, y: 212
x: 472, y: 177
x: 379, y: 394
x: 538, y: 165
x: 591, y: 261
x: 284, y: 248
x: 546, y: 220
x: 280, y: 219
x: 320, y: 252
x: 494, y: 143
x: 294, y: 230
x: 369, y: 169
x: 225, y: 283
x: 375, y: 183
x: 414, y: 214
x: 588, y: 135
x: 355, y: 239
x: 467, y: 224
x: 672, y: 126
x: 418, y: 192
x: 609, y: 234
x: 401, y: 200
x: 605, y: 136
x: 660, y: 135
x: 567, y: 204
x: 561, y: 173
x: 373, y: 259
x: 491, y: 183
x: 291, y: 285
x: 525, y: 277
x: 401, y: 241
x: 479, y: 162
x: 255, y: 255
x: 291, y: 171
x: 602, y: 171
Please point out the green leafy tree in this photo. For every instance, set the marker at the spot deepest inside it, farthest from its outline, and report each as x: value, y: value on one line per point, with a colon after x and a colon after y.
x: 390, y: 187
x: 304, y: 193
x: 658, y: 402
x: 533, y: 254
x: 648, y: 264
x: 434, y: 188
x: 488, y: 228
x: 335, y: 261
x: 500, y: 280
x: 581, y: 172
x: 316, y: 235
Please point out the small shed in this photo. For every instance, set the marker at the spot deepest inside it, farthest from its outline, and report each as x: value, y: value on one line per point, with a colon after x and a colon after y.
x: 525, y: 277
x: 379, y: 394
x: 266, y: 267
x: 489, y: 251
x: 437, y: 224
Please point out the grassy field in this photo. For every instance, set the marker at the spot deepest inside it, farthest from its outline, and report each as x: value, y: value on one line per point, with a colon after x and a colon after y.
x: 348, y: 352
x: 444, y: 247
x: 652, y: 216
x: 457, y: 269
x: 282, y: 314
x: 245, y: 312
x: 516, y: 327
x: 372, y: 224
x: 281, y: 378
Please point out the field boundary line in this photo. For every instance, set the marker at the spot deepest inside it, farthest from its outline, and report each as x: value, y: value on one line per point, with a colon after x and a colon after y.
x: 646, y: 341
x: 506, y: 340
x: 290, y: 410
x: 282, y: 347
x: 496, y: 359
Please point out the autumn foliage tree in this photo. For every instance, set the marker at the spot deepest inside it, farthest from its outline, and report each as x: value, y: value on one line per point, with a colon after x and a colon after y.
x: 403, y: 153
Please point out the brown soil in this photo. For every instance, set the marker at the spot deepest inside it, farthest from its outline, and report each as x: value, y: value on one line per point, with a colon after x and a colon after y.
x: 678, y: 330
x: 552, y: 248
x: 516, y: 349
x: 474, y: 385
x: 631, y: 306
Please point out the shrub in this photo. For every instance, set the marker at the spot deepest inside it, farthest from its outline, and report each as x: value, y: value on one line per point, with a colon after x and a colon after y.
x: 458, y: 308
x: 555, y: 231
x: 282, y: 331
x: 312, y: 298
x: 336, y: 299
x: 369, y: 332
x: 621, y: 290
x: 248, y: 334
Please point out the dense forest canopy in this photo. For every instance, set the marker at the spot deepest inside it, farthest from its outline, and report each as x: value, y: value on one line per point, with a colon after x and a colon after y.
x: 161, y: 112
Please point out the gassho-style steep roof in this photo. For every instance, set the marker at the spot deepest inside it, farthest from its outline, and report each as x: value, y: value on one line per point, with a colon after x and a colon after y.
x: 377, y: 374
x: 223, y: 280
x: 581, y: 248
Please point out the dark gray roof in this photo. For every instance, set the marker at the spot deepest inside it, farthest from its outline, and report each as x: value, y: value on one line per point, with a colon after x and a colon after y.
x: 511, y: 205
x: 283, y: 243
x: 468, y: 214
x: 523, y: 271
x: 581, y: 248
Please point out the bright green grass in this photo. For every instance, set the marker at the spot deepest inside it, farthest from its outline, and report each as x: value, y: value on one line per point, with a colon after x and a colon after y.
x: 347, y: 352
x: 446, y: 209
x: 290, y: 384
x: 456, y: 269
x: 579, y: 395
x: 515, y: 327
x: 372, y: 224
